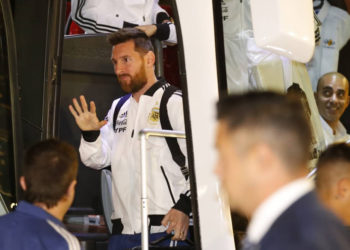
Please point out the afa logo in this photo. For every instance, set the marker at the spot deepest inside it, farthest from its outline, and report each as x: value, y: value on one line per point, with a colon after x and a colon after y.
x: 329, y: 43
x: 153, y: 116
x: 123, y: 115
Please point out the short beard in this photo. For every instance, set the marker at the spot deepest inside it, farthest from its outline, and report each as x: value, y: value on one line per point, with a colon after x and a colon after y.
x: 136, y: 83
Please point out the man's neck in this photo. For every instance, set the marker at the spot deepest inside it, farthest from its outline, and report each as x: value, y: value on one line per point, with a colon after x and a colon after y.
x: 272, y: 207
x: 150, y: 82
x: 56, y: 211
x: 333, y: 126
x: 273, y: 186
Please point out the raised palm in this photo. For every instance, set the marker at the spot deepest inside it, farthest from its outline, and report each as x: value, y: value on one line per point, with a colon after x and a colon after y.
x: 85, y: 119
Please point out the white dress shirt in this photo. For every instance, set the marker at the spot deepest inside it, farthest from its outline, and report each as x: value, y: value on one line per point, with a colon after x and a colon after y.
x: 339, y: 136
x: 335, y: 33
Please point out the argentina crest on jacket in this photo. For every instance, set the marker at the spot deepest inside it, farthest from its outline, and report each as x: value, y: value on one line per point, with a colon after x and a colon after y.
x: 153, y: 117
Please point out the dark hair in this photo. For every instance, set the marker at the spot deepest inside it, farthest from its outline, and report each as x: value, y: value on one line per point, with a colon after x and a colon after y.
x: 294, y: 91
x: 50, y: 167
x: 142, y: 42
x: 279, y: 121
x: 327, y: 162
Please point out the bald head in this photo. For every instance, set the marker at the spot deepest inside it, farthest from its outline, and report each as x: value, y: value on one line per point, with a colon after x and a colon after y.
x: 332, y: 97
x: 331, y: 77
x: 333, y: 180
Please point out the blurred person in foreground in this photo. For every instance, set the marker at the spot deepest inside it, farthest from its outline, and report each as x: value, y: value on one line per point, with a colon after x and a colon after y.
x: 263, y: 141
x: 48, y: 181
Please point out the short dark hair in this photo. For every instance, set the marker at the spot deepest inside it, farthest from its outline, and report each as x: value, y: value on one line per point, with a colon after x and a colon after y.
x: 279, y: 120
x: 327, y: 162
x: 50, y: 167
x: 294, y: 91
x: 142, y: 42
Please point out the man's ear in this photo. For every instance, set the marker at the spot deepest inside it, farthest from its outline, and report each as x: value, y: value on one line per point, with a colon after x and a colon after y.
x: 263, y: 155
x: 22, y: 182
x: 150, y: 59
x: 347, y: 101
x: 315, y: 96
x: 343, y: 188
x: 71, y: 188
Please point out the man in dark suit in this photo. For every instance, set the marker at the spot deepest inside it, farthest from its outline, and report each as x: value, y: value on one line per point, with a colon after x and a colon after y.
x: 263, y: 140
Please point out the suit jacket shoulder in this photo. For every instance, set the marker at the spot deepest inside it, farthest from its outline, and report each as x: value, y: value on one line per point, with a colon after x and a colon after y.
x: 306, y: 224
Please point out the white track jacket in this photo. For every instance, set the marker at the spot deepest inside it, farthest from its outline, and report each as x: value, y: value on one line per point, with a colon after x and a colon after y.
x: 104, y: 16
x: 120, y: 148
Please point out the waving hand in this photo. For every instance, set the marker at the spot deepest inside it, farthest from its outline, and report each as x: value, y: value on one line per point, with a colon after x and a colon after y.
x: 85, y: 119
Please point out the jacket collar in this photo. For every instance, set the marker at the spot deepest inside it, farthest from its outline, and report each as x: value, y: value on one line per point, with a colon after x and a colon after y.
x: 323, y: 12
x: 160, y: 83
x: 35, y: 211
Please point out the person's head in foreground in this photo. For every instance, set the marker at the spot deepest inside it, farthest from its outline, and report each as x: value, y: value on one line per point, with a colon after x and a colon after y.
x: 263, y: 140
x: 48, y: 180
x: 49, y: 176
x: 333, y: 180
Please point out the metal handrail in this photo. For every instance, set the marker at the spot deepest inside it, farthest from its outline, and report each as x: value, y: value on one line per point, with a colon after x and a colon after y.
x: 144, y: 135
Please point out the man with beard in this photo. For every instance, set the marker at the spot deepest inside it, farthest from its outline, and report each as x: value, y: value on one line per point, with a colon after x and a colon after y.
x: 332, y: 98
x: 114, y: 141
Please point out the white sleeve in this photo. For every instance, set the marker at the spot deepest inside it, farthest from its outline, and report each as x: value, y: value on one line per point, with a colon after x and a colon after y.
x: 96, y: 154
x: 95, y: 16
x: 337, y: 23
x: 177, y: 121
x: 344, y: 30
x: 176, y: 117
x: 172, y: 35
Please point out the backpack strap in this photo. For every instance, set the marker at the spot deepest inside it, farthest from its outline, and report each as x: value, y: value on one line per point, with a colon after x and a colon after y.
x: 173, y: 144
x: 120, y: 103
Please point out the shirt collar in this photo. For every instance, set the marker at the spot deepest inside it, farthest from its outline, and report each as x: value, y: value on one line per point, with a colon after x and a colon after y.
x: 267, y: 213
x: 35, y: 211
x: 160, y: 83
x: 323, y: 12
x: 340, y: 129
x: 340, y: 132
x: 326, y: 126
